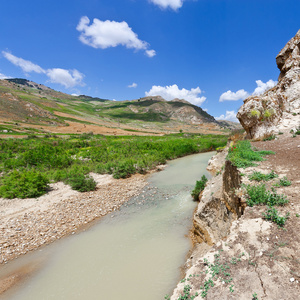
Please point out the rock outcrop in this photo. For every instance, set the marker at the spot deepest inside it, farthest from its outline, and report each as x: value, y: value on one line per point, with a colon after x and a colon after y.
x: 278, y: 109
x: 219, y: 204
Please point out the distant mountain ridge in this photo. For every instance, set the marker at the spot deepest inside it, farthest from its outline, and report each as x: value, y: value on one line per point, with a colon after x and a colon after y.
x: 22, y: 100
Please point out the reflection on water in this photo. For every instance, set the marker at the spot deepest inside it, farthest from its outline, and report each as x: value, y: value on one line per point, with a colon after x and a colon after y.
x: 134, y: 253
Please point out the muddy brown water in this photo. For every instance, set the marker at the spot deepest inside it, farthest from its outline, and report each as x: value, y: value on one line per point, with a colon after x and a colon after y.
x: 135, y: 253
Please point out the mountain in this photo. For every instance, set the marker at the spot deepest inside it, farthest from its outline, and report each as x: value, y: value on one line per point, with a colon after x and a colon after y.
x: 32, y: 105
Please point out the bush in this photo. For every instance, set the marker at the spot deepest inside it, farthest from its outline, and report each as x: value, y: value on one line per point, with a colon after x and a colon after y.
x: 258, y: 195
x: 23, y: 184
x: 283, y: 182
x: 200, y: 185
x: 272, y: 215
x: 258, y: 176
x: 81, y: 182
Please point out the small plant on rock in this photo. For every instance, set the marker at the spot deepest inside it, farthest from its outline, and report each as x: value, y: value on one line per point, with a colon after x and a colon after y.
x: 200, y: 185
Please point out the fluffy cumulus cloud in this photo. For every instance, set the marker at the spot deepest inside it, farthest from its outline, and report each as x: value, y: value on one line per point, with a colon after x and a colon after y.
x: 229, y: 116
x: 172, y: 91
x: 173, y: 4
x: 26, y: 65
x: 242, y: 94
x: 133, y: 85
x: 262, y: 87
x: 234, y: 96
x: 67, y: 78
x: 105, y: 34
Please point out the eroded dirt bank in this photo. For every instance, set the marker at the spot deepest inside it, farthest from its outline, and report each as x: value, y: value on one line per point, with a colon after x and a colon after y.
x: 238, y: 254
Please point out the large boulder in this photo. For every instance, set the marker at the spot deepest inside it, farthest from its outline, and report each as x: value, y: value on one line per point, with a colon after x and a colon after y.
x: 278, y: 109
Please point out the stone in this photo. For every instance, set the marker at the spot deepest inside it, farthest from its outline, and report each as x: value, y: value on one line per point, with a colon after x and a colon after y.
x: 278, y: 109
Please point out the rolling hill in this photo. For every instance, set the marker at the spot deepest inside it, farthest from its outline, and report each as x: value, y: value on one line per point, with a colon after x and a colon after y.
x: 27, y: 106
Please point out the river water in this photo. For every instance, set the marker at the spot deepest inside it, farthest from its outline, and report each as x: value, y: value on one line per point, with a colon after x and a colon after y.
x: 132, y: 254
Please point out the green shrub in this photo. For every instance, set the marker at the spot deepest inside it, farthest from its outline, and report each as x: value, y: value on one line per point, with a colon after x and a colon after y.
x: 272, y: 215
x: 255, y: 113
x: 200, y: 185
x: 268, y: 113
x: 242, y: 155
x: 81, y: 182
x: 258, y: 176
x: 23, y: 184
x: 283, y: 182
x: 258, y: 195
x: 270, y: 138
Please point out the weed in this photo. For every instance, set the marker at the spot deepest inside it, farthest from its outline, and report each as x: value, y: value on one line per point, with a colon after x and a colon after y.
x: 200, y: 185
x: 283, y: 182
x: 258, y: 176
x: 270, y: 138
x: 272, y: 215
x: 254, y: 296
x: 297, y: 215
x: 242, y: 155
x: 258, y: 195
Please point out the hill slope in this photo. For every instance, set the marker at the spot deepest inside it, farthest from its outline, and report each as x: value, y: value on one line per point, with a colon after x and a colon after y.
x: 33, y: 105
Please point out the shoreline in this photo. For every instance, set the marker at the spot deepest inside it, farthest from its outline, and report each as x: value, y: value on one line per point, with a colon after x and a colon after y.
x: 30, y: 224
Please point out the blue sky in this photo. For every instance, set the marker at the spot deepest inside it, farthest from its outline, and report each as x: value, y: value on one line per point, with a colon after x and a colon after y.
x: 213, y: 53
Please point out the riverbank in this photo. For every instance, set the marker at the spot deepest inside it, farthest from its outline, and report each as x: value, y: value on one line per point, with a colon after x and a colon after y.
x: 238, y: 253
x: 27, y: 224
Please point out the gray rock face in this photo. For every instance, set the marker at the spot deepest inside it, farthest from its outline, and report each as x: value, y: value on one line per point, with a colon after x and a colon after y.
x: 278, y: 109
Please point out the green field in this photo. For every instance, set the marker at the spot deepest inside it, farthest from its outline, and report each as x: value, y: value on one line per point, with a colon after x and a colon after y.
x: 29, y: 165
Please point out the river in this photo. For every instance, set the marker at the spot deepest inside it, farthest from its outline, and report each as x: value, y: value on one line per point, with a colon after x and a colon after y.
x: 132, y: 254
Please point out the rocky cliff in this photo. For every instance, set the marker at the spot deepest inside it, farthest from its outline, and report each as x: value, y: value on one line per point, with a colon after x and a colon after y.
x: 278, y: 109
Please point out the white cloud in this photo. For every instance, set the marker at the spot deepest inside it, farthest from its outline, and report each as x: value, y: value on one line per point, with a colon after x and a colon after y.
x: 205, y: 109
x: 171, y: 92
x: 230, y: 116
x: 133, y: 85
x: 2, y: 76
x: 105, y: 34
x: 173, y: 4
x: 242, y: 94
x: 26, y: 65
x: 231, y: 96
x: 262, y: 87
x: 150, y: 53
x: 75, y: 95
x: 68, y: 78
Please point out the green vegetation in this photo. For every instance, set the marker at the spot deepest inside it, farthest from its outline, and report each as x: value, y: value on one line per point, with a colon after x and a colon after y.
x: 258, y: 176
x: 272, y: 215
x: 200, y: 185
x: 242, y: 155
x: 255, y: 113
x: 28, y: 165
x: 268, y: 113
x: 25, y: 184
x: 270, y: 138
x: 259, y: 195
x: 283, y: 182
